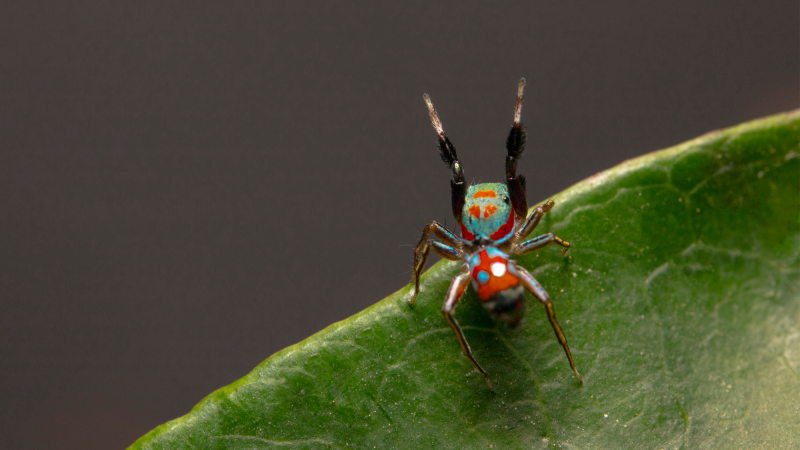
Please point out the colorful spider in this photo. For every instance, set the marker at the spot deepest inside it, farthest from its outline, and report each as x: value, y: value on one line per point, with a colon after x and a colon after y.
x: 494, y: 225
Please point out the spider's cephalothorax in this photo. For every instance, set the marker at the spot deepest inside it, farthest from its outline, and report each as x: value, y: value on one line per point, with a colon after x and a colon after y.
x: 487, y: 213
x: 494, y: 223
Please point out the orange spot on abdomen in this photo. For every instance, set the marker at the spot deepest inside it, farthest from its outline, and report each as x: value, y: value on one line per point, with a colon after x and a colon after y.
x: 490, y: 209
x: 495, y: 285
x: 484, y: 194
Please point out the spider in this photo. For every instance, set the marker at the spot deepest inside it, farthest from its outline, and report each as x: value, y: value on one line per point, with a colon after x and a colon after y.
x: 494, y: 224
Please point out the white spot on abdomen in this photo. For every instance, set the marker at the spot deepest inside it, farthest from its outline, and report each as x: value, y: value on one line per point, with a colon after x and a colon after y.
x: 498, y: 269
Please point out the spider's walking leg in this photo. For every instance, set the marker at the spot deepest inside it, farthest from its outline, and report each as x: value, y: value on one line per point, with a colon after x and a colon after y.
x: 454, y: 293
x: 533, y: 220
x: 451, y: 251
x: 539, y: 242
x: 538, y: 291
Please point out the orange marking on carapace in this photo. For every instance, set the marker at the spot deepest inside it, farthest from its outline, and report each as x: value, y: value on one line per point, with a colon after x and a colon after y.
x: 490, y: 209
x: 484, y: 194
x: 495, y: 284
x: 475, y: 211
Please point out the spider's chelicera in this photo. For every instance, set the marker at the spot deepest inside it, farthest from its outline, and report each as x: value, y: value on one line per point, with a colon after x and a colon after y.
x: 494, y: 224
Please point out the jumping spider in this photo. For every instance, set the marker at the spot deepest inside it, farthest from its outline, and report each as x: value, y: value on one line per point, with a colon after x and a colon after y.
x: 494, y: 224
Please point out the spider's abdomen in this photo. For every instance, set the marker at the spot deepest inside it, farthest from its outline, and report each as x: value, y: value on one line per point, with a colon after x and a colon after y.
x: 490, y: 272
x: 497, y: 284
x: 487, y: 213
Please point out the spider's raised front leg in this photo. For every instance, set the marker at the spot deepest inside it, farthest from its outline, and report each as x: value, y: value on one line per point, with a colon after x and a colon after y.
x: 454, y: 294
x: 515, y: 145
x: 538, y: 291
x: 450, y: 250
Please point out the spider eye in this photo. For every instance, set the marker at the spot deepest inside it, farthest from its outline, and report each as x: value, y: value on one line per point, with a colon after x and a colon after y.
x: 506, y: 200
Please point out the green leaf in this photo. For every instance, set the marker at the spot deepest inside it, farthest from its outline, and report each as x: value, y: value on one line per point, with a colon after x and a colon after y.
x: 680, y: 303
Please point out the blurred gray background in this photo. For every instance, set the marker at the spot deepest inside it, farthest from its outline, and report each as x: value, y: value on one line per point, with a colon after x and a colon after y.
x: 188, y: 187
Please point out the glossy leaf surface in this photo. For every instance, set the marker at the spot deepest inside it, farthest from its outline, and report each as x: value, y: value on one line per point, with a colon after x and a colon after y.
x: 680, y: 303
